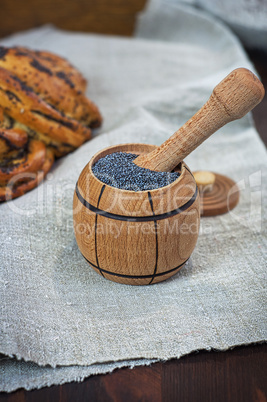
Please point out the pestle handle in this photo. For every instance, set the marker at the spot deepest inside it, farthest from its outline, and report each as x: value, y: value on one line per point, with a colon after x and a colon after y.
x: 231, y: 99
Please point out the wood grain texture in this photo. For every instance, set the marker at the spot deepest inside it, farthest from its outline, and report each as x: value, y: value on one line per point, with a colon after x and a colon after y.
x: 259, y: 58
x: 222, y: 198
x: 135, y: 237
x: 115, y: 17
x: 234, y: 375
x: 231, y: 99
x: 217, y: 376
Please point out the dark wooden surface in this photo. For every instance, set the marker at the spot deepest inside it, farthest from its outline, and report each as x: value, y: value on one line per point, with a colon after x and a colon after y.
x: 259, y: 59
x: 103, y: 16
x: 238, y: 375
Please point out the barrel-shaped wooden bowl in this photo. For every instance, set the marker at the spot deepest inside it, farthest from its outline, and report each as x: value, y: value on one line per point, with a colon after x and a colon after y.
x: 135, y: 237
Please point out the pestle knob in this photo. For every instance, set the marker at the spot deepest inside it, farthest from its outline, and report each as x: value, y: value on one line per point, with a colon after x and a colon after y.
x: 231, y: 99
x: 205, y: 181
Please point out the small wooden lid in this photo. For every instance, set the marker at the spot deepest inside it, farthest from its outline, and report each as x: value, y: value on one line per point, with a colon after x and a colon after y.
x: 222, y: 194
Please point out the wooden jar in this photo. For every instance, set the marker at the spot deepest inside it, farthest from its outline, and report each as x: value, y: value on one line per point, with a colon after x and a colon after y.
x: 136, y: 238
x: 145, y: 237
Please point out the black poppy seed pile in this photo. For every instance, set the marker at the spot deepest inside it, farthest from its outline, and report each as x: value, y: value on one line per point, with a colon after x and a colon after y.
x: 118, y: 170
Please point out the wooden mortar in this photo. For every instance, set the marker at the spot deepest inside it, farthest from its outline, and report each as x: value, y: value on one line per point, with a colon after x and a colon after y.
x: 144, y: 237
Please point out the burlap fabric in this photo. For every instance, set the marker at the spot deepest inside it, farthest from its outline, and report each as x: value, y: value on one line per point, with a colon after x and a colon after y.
x: 55, y: 310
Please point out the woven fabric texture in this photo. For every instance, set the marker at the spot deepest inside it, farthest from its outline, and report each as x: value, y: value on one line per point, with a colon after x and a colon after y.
x: 57, y: 311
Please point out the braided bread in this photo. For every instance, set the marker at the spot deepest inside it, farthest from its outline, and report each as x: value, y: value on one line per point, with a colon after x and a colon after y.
x: 11, y: 140
x: 43, y: 114
x: 54, y: 80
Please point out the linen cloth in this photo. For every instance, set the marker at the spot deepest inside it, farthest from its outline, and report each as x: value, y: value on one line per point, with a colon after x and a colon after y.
x: 247, y: 18
x: 56, y: 311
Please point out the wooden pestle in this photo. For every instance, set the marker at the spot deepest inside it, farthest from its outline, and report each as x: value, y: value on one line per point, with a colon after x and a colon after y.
x: 231, y: 99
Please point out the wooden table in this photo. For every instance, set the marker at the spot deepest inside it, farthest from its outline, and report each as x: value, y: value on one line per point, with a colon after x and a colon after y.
x: 238, y: 375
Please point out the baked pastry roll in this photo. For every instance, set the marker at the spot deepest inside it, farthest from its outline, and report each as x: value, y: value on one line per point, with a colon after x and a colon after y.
x: 44, y: 114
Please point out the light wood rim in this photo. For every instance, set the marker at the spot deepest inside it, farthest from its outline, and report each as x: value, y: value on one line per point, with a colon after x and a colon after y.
x: 131, y: 148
